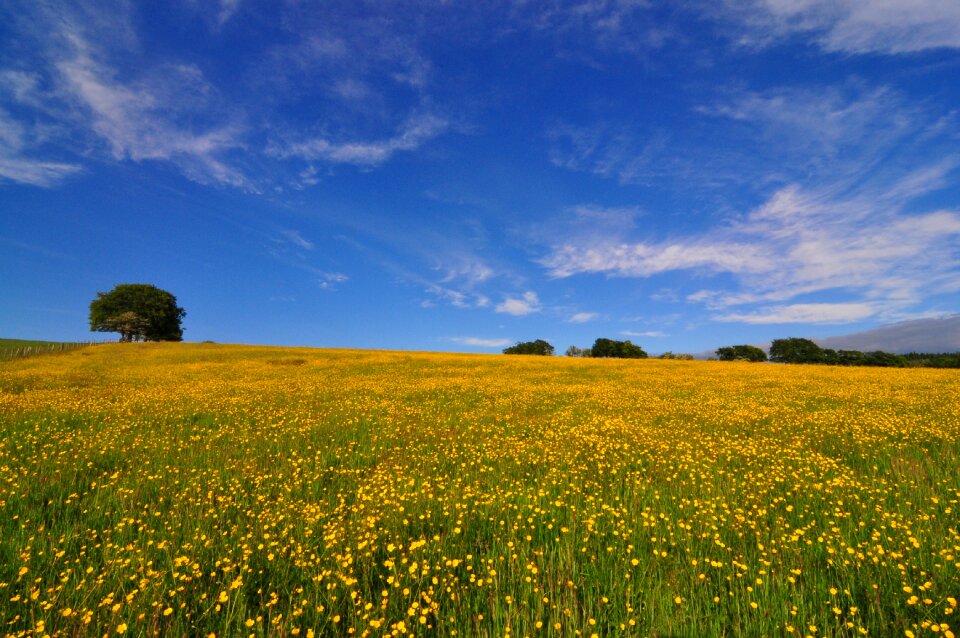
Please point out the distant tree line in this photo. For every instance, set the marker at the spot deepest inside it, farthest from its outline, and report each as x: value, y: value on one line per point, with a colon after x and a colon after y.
x: 680, y: 356
x: 539, y: 347
x: 790, y: 350
x: 609, y: 349
x: 574, y: 351
x: 933, y: 360
x: 602, y: 348
x: 797, y: 350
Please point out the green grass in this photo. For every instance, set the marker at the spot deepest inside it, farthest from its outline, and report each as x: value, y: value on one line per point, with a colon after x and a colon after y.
x: 18, y: 348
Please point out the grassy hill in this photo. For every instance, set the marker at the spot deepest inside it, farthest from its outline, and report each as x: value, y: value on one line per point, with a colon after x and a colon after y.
x: 16, y: 348
x: 190, y: 489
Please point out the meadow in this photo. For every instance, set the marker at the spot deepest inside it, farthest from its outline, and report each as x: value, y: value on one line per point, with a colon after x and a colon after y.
x: 16, y: 348
x: 175, y: 489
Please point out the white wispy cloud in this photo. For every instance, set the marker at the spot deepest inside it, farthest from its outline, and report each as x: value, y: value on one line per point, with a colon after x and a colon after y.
x: 621, y: 150
x: 458, y: 298
x: 583, y: 317
x: 817, y: 128
x: 329, y: 280
x: 526, y: 304
x: 481, y: 342
x: 415, y: 132
x: 622, y: 217
x: 96, y: 82
x: 19, y: 143
x: 348, y: 54
x: 294, y: 237
x: 34, y: 172
x: 853, y: 26
x: 150, y: 118
x: 586, y: 224
x: 758, y: 137
x: 602, y: 149
x: 646, y: 259
x: 457, y: 274
x: 846, y: 223
x: 645, y: 333
x: 466, y: 268
x: 580, y: 30
x: 828, y: 313
x: 665, y: 295
x: 463, y: 271
x: 82, y: 91
x: 227, y: 9
x: 803, y: 242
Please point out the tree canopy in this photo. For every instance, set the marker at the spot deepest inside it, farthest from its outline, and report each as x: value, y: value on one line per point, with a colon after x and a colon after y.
x: 795, y: 350
x: 741, y: 353
x: 608, y: 348
x: 933, y: 360
x: 539, y: 347
x: 139, y: 312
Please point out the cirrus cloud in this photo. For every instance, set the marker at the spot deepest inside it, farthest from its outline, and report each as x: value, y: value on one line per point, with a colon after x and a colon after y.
x: 846, y: 243
x: 415, y: 132
x: 830, y: 313
x: 853, y: 26
x: 480, y: 342
x: 866, y: 247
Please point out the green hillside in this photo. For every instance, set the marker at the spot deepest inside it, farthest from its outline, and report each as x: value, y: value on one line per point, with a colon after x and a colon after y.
x: 16, y: 348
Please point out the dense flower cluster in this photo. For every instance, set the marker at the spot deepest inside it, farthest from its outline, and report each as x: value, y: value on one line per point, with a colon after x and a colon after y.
x: 171, y: 489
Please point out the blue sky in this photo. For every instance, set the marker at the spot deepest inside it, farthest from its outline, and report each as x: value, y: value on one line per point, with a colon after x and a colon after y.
x: 426, y: 175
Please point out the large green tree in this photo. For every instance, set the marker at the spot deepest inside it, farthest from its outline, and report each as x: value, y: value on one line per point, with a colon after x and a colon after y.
x: 796, y: 350
x: 139, y: 312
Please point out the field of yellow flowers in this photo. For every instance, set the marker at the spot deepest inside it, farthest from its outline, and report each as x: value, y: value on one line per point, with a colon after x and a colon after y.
x: 174, y: 489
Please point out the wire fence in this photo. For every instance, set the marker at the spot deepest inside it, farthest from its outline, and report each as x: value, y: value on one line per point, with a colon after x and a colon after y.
x: 14, y: 351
